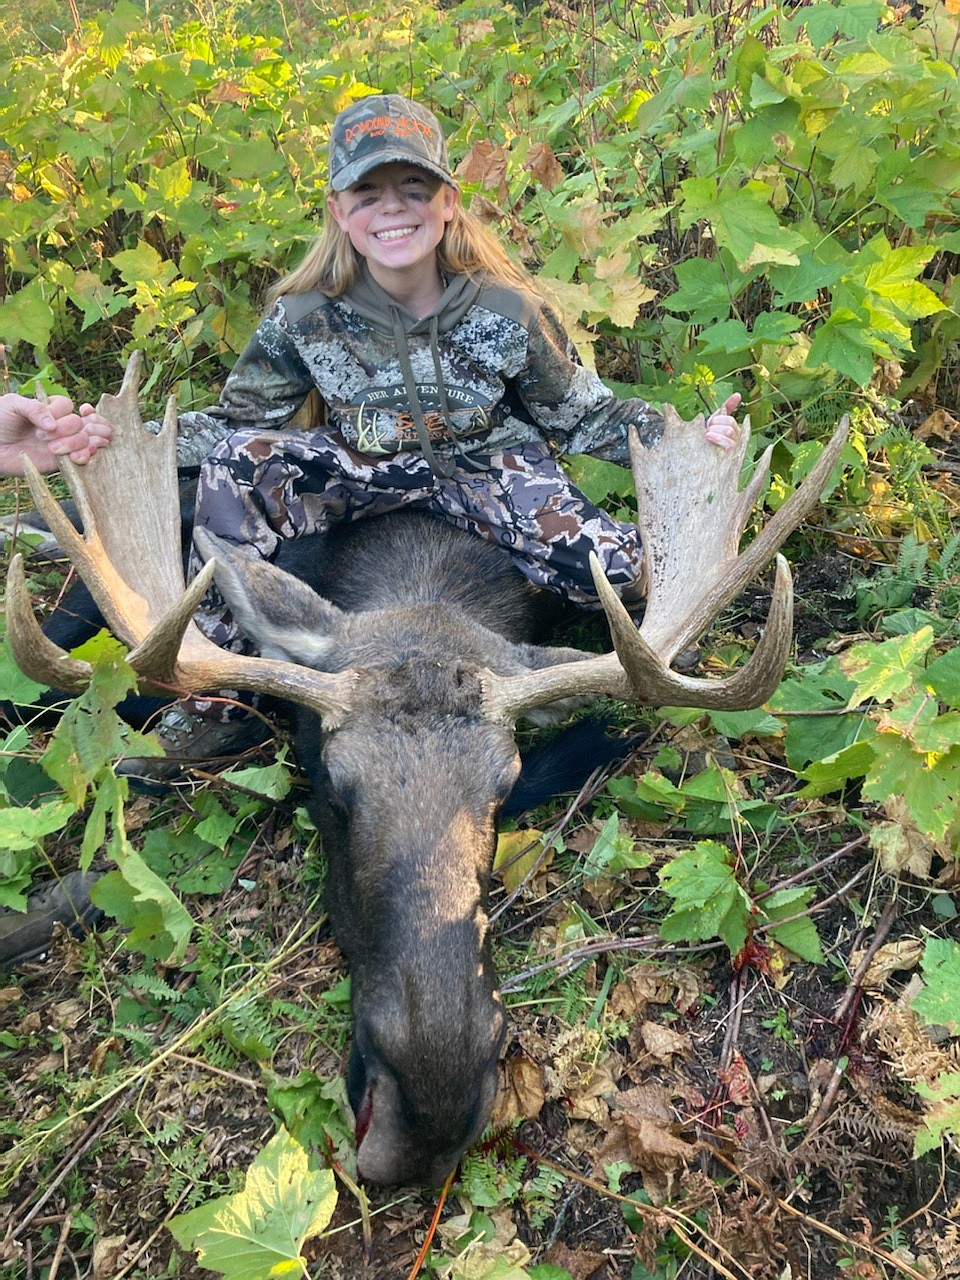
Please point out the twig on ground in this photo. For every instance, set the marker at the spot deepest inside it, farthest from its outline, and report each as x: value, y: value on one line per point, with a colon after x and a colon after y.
x: 69, y: 1161
x: 61, y: 1245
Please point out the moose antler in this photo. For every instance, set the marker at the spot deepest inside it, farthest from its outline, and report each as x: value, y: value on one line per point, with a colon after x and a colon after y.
x: 691, y: 515
x: 133, y: 568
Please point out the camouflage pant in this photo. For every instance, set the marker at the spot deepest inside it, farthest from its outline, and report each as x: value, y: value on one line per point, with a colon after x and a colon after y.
x: 261, y: 488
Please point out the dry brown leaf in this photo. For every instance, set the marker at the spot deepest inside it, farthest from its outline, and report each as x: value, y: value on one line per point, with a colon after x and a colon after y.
x: 521, y: 1094
x: 485, y: 164
x: 940, y: 423
x: 106, y: 1256
x: 581, y: 1263
x: 640, y: 1135
x: 661, y: 1044
x: 589, y: 1100
x: 649, y: 984
x: 738, y: 1080
x: 900, y: 846
x: 543, y: 165
x: 473, y: 32
x: 95, y: 1065
x: 9, y: 995
x: 889, y: 959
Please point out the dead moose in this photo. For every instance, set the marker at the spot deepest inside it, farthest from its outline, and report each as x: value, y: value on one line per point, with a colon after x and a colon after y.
x: 408, y: 692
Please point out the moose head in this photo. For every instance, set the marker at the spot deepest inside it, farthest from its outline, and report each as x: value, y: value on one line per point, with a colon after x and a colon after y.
x: 407, y: 708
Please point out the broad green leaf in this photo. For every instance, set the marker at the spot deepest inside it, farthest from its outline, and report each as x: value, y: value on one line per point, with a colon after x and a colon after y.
x: 810, y: 732
x: 834, y: 771
x: 742, y: 222
x: 601, y: 481
x: 27, y: 316
x: 844, y: 343
x: 885, y: 669
x: 26, y: 828
x: 706, y: 290
x: 943, y: 1117
x: 140, y: 264
x: 14, y: 685
x: 272, y: 781
x: 158, y: 924
x: 799, y: 936
x: 217, y: 826
x: 926, y: 782
x: 943, y: 677
x: 708, y: 900
x: 741, y: 724
x: 518, y: 852
x: 258, y: 1233
x: 315, y: 1112
x: 938, y: 1003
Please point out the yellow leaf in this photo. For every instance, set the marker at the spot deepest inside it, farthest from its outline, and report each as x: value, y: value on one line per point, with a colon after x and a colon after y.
x: 517, y: 854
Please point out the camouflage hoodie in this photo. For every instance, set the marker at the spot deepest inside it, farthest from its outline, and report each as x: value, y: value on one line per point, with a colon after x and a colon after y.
x: 491, y: 368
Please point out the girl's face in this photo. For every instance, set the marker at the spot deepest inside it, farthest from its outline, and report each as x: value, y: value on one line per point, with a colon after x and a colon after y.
x: 395, y: 217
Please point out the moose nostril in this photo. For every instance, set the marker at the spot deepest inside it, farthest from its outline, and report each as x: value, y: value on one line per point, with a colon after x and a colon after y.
x: 364, y: 1116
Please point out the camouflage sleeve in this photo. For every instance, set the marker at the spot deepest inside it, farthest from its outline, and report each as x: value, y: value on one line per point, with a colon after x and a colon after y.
x: 572, y: 405
x: 265, y: 388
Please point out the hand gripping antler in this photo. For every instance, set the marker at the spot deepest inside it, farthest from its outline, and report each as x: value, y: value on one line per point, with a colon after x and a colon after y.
x: 691, y: 515
x: 137, y: 580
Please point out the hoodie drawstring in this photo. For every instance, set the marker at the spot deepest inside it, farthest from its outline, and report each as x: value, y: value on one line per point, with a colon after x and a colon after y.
x: 439, y: 469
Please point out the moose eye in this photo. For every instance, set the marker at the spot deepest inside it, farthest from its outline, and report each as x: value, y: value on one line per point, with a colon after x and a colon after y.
x: 340, y: 785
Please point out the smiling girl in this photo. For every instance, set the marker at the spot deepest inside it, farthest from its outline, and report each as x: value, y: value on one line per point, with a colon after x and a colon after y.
x: 445, y: 382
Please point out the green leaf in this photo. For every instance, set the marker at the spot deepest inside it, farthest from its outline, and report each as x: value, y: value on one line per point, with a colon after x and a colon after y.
x: 159, y: 924
x: 844, y: 343
x: 27, y: 316
x: 799, y: 936
x: 26, y: 828
x: 599, y: 480
x: 742, y: 222
x: 706, y: 290
x: 819, y: 688
x: 943, y: 677
x: 258, y: 1233
x: 944, y: 1116
x: 834, y: 771
x: 708, y: 900
x: 927, y: 783
x: 272, y: 781
x: 315, y: 1112
x: 885, y: 669
x: 938, y: 1003
x: 14, y: 685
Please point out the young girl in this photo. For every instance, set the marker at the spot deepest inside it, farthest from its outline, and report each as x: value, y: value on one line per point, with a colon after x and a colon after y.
x: 446, y: 383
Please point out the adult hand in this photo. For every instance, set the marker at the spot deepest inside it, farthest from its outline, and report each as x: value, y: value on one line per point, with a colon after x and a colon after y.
x: 44, y: 431
x: 722, y: 427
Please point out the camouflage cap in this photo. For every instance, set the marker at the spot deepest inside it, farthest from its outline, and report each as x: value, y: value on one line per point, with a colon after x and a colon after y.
x: 382, y: 129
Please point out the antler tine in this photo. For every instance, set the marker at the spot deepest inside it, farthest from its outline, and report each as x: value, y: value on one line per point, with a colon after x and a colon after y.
x: 34, y: 654
x: 131, y: 561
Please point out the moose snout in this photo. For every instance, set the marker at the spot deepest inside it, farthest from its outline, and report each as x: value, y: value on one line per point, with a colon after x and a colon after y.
x: 415, y: 1119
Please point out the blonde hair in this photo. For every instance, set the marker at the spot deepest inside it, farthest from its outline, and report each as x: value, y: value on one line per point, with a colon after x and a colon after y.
x: 468, y: 248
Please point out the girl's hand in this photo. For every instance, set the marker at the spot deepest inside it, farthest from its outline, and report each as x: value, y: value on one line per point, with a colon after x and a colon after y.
x: 722, y: 427
x: 81, y: 435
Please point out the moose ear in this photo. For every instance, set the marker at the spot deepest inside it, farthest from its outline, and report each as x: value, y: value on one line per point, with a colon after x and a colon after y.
x: 283, y: 616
